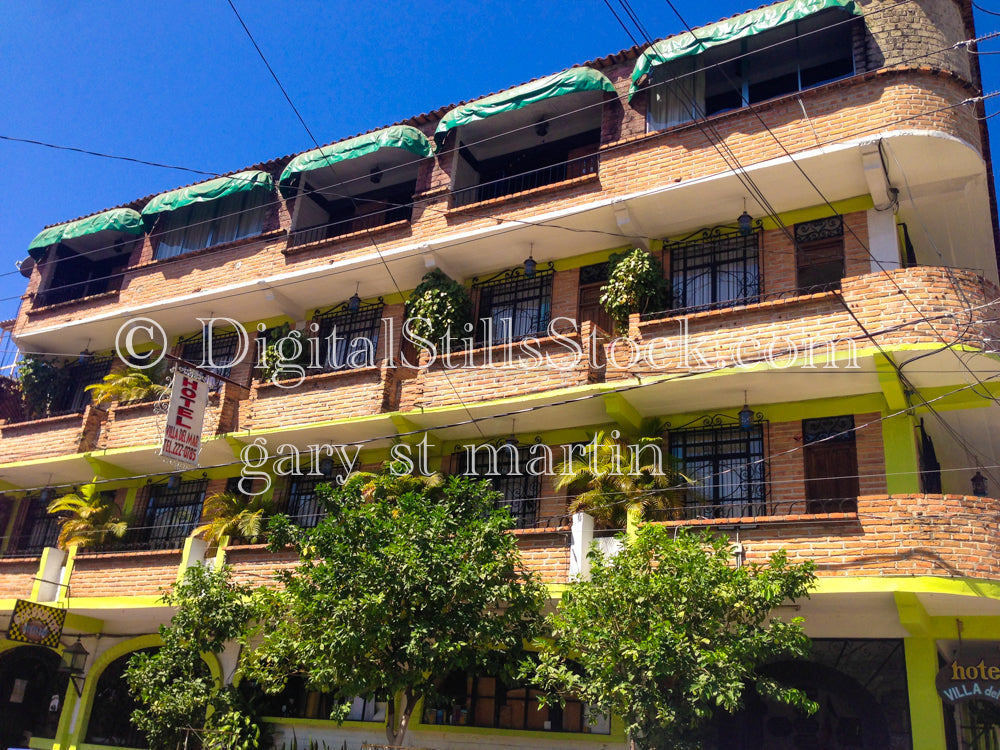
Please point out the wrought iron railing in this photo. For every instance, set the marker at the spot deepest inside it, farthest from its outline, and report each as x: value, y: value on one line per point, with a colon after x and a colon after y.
x: 349, y: 226
x: 737, y: 302
x: 567, y: 170
x: 744, y: 510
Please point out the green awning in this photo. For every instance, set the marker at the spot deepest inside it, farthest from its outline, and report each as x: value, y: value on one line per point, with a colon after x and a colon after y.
x: 398, y: 136
x: 116, y: 220
x: 206, y: 191
x: 729, y: 30
x: 570, y: 81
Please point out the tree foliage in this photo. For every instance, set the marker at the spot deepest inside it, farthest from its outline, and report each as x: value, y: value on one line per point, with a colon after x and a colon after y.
x: 669, y: 631
x: 87, y: 518
x: 403, y: 582
x: 173, y: 685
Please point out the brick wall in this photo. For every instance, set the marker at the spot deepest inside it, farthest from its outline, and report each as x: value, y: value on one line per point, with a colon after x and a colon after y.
x: 546, y: 553
x: 136, y: 424
x: 123, y: 573
x: 887, y: 100
x: 890, y: 535
x: 898, y: 32
x: 41, y: 438
x: 252, y: 564
x: 17, y: 578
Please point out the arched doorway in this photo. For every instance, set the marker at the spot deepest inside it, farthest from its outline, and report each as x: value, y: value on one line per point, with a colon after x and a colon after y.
x: 975, y: 725
x: 32, y: 691
x: 110, y: 717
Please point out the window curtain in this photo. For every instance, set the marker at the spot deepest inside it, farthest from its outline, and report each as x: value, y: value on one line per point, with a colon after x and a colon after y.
x: 678, y: 93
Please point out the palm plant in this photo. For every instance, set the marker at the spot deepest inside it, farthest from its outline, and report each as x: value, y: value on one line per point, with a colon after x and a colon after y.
x: 90, y: 518
x: 235, y: 515
x: 607, y: 485
x: 128, y: 386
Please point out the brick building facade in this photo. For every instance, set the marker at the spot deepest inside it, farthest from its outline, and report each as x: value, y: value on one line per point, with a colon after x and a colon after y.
x: 815, y: 184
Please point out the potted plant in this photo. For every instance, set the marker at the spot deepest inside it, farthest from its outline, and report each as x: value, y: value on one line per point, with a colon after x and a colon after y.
x: 635, y: 284
x: 41, y: 383
x: 438, y: 305
x: 604, y: 483
x: 233, y: 514
x: 128, y: 386
x: 88, y: 517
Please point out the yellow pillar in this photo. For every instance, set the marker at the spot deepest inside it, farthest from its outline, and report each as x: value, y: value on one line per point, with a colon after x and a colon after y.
x: 926, y: 710
x: 902, y: 465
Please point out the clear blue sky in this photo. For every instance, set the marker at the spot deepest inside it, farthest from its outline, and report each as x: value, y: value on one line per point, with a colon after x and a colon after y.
x: 180, y: 83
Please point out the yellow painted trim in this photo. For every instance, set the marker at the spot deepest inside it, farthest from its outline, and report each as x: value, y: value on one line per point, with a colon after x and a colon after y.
x: 36, y: 584
x: 926, y: 712
x: 589, y: 259
x: 842, y: 207
x: 116, y: 602
x: 912, y: 614
x: 520, y: 733
x: 325, y: 723
x: 42, y: 743
x: 64, y: 591
x: 973, y: 587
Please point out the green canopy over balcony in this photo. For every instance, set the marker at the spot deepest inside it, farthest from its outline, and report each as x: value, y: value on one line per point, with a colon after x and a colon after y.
x: 728, y: 30
x: 570, y: 81
x: 206, y: 191
x: 403, y: 137
x: 116, y: 220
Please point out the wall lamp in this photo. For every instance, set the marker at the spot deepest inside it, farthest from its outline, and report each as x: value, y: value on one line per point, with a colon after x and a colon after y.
x: 74, y: 659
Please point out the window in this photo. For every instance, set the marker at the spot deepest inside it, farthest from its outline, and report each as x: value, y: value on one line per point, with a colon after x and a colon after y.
x: 301, y: 502
x: 76, y: 275
x: 592, y: 280
x: 527, y: 168
x: 819, y: 254
x: 504, y: 465
x: 346, y: 339
x: 486, y: 701
x: 342, y: 214
x: 717, y: 268
x: 224, y: 345
x: 38, y: 529
x: 171, y: 514
x: 727, y: 465
x: 75, y: 396
x: 208, y: 223
x: 789, y: 58
x: 297, y: 701
x: 512, y: 306
x: 831, y: 464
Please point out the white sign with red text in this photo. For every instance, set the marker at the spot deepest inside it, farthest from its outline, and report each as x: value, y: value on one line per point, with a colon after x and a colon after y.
x: 185, y: 415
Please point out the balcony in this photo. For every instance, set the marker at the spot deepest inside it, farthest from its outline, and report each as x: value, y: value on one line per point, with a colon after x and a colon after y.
x: 871, y: 535
x: 130, y: 425
x: 123, y: 573
x: 52, y: 436
x: 519, y: 182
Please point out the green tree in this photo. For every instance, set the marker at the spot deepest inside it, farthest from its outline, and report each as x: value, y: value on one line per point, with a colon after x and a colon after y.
x: 669, y: 631
x: 173, y: 684
x: 608, y: 484
x: 88, y: 517
x: 399, y: 585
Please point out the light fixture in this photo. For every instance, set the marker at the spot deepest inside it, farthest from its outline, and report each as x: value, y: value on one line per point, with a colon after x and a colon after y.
x: 46, y: 495
x: 542, y: 128
x: 85, y: 354
x: 173, y: 482
x: 530, y: 264
x: 979, y: 485
x: 745, y: 221
x: 375, y: 175
x: 512, y: 440
x: 74, y: 659
x: 326, y: 467
x: 746, y: 415
x: 354, y: 303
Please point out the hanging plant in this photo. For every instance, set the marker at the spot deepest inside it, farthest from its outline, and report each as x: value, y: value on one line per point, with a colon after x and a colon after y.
x: 274, y: 362
x: 635, y: 284
x: 439, y: 303
x: 41, y: 383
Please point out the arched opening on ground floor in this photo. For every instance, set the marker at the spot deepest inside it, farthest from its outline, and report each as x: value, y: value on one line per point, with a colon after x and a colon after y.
x: 32, y: 690
x: 860, y: 687
x: 110, y: 718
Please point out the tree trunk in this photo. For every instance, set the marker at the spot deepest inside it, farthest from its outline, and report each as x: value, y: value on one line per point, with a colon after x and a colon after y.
x: 397, y: 735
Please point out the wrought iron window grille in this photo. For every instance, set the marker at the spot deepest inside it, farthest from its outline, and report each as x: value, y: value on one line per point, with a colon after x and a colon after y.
x: 194, y: 350
x: 346, y: 339
x: 728, y: 464
x: 503, y: 464
x: 714, y: 268
x: 820, y: 229
x: 838, y: 429
x: 81, y: 374
x: 301, y: 502
x: 171, y: 513
x: 511, y: 306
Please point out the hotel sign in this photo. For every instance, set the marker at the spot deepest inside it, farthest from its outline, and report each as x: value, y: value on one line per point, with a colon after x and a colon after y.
x: 185, y: 416
x: 969, y: 680
x: 35, y: 623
